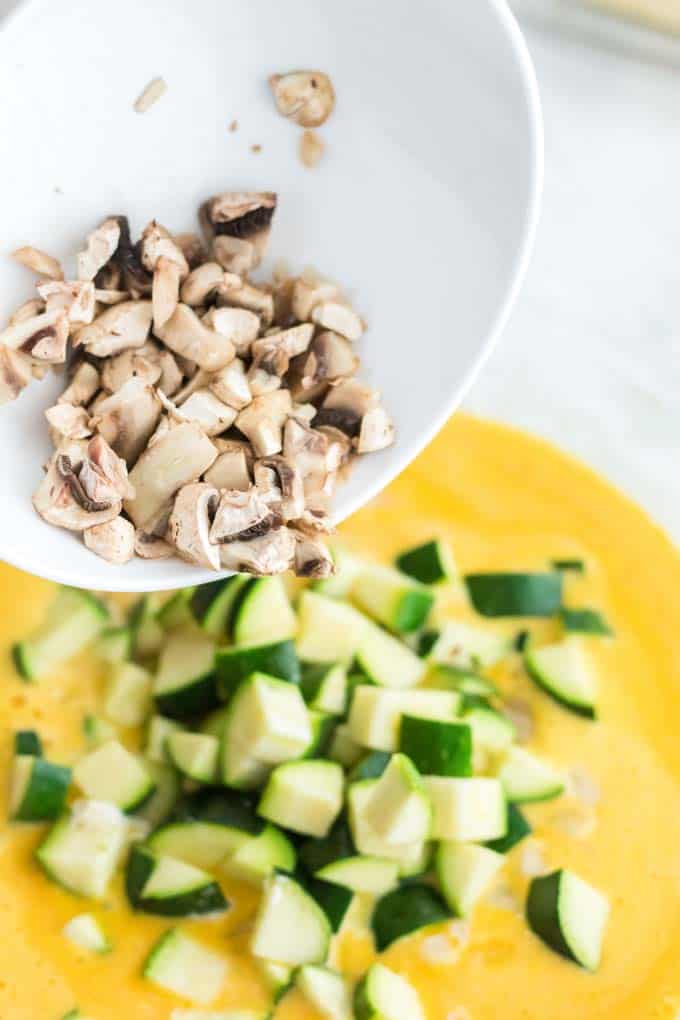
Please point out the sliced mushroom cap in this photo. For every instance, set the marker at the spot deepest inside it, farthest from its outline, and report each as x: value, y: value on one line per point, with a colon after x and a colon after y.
x: 44, y: 337
x: 239, y: 223
x: 28, y: 310
x: 308, y: 292
x: 242, y: 294
x: 308, y: 449
x: 184, y: 333
x: 165, y: 291
x: 238, y: 325
x: 208, y: 411
x: 193, y: 249
x: 306, y: 97
x: 315, y: 518
x: 83, y: 385
x: 231, y: 385
x: 235, y: 254
x: 189, y: 525
x: 177, y: 458
x: 272, y: 353
x: 171, y: 376
x: 312, y: 558
x: 231, y: 470
x: 133, y: 275
x: 340, y: 318
x: 201, y: 283
x: 101, y: 245
x: 158, y: 243
x: 39, y: 261
x: 376, y: 432
x: 346, y: 404
x: 290, y: 494
x: 271, y: 554
x: 113, y: 541
x: 241, y: 516
x: 306, y: 412
x: 339, y: 447
x: 75, y: 297
x: 68, y: 421
x: 150, y: 547
x: 112, y: 468
x: 330, y: 357
x: 134, y: 364
x: 15, y: 373
x: 118, y: 328
x: 128, y: 418
x: 60, y: 499
x: 198, y: 381
x: 261, y: 381
x: 110, y: 296
x: 262, y: 422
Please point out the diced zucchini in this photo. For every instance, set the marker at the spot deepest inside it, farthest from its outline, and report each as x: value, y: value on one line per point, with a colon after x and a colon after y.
x: 98, y: 731
x: 323, y: 727
x: 324, y: 687
x: 267, y: 724
x: 212, y: 604
x: 517, y: 830
x: 28, y: 742
x: 170, y: 887
x: 376, y: 712
x: 113, y: 774
x: 277, y: 976
x: 437, y: 748
x: 362, y: 874
x: 317, y: 853
x: 73, y: 619
x: 147, y: 633
x: 329, y: 631
x: 326, y: 990
x: 411, y: 858
x: 569, y: 915
x: 372, y: 765
x: 343, y: 748
x: 430, y: 563
x: 290, y: 926
x: 515, y: 594
x: 260, y: 856
x: 185, y: 683
x: 460, y: 678
x: 304, y: 796
x: 564, y: 671
x: 467, y: 646
x: 158, y: 731
x: 491, y: 730
x: 466, y: 810
x: 392, y: 598
x: 86, y: 932
x: 384, y: 995
x: 387, y: 661
x: 160, y: 805
x: 195, y: 755
x: 128, y: 699
x: 82, y: 850
x: 585, y: 621
x: 203, y: 844
x: 339, y: 585
x: 526, y: 778
x: 114, y: 645
x: 38, y: 789
x: 465, y: 871
x: 406, y: 910
x: 185, y: 967
x: 334, y: 900
x: 176, y: 612
x: 263, y: 613
x: 235, y: 664
x: 578, y: 566
x: 399, y: 808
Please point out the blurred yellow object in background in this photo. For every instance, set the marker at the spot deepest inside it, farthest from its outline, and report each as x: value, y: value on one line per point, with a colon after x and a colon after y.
x: 661, y: 14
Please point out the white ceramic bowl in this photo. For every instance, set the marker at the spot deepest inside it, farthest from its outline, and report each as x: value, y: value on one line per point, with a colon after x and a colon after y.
x: 425, y: 205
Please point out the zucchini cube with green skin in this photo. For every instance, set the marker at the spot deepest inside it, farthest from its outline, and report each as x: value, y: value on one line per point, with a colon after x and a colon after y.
x: 324, y: 687
x: 235, y: 664
x: 169, y: 887
x: 411, y: 858
x: 527, y: 779
x: 304, y: 796
x: 328, y: 630
x: 372, y: 765
x: 569, y: 915
x: 258, y: 857
x: 28, y: 742
x: 323, y: 727
x: 85, y: 932
x: 185, y: 683
x: 195, y: 755
x: 515, y: 594
x: 392, y: 598
x: 466, y: 810
x: 268, y: 720
x: 290, y: 927
x: 277, y: 976
x: 564, y: 672
x: 203, y: 844
x: 343, y: 748
x: 347, y: 569
x: 114, y: 645
x: 326, y: 990
x: 465, y: 871
x: 83, y: 849
x: 113, y: 774
x: 97, y: 730
x: 128, y: 699
x: 158, y: 731
x: 262, y: 612
x: 517, y: 830
x: 362, y: 874
x: 211, y: 604
x: 186, y: 967
x: 385, y: 995
x: 468, y: 646
x: 437, y: 748
x: 162, y: 802
x: 405, y: 910
x: 399, y: 809
x: 73, y: 619
x: 335, y: 900
x: 491, y: 731
x: 375, y: 714
x: 430, y: 563
x: 38, y: 789
x: 387, y: 661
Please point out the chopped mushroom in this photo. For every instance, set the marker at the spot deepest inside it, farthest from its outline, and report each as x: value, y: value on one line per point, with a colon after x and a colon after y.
x: 242, y: 294
x: 306, y: 97
x: 113, y: 541
x: 28, y: 310
x: 157, y: 243
x: 239, y: 225
x: 201, y: 283
x: 42, y: 336
x: 308, y: 292
x: 128, y: 418
x: 271, y: 554
x: 330, y: 357
x: 231, y: 385
x: 272, y: 353
x: 75, y: 297
x: 340, y: 318
x: 192, y: 248
x: 117, y: 329
x: 262, y: 422
x: 308, y: 449
x: 39, y: 262
x: 238, y: 325
x: 212, y: 414
x: 345, y: 406
x: 311, y: 149
x: 150, y: 547
x: 231, y: 470
x: 177, y: 458
x: 112, y: 469
x: 67, y: 421
x: 15, y: 373
x: 134, y: 364
x: 242, y: 516
x: 60, y: 499
x: 83, y: 385
x: 185, y: 334
x: 171, y: 376
x: 189, y: 525
x: 376, y: 432
x: 289, y: 494
x: 162, y: 256
x: 101, y: 244
x: 312, y: 558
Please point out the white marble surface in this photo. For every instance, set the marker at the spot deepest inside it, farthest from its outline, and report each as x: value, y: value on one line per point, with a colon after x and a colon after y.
x: 591, y: 358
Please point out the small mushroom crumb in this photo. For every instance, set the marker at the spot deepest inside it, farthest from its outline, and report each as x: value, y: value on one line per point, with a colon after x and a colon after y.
x: 306, y: 97
x: 256, y: 147
x: 312, y: 149
x: 202, y: 415
x: 233, y: 126
x: 156, y: 88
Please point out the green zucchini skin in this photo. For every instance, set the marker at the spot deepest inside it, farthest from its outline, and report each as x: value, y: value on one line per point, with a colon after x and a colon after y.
x: 429, y: 563
x: 560, y: 908
x: 437, y: 748
x: 212, y: 604
x: 515, y: 594
x: 371, y: 766
x: 204, y: 899
x: 518, y: 829
x: 405, y: 910
x: 44, y: 795
x: 221, y: 807
x: 28, y: 742
x: 315, y: 854
x: 232, y: 665
x: 585, y: 621
x: 578, y: 566
x: 333, y: 899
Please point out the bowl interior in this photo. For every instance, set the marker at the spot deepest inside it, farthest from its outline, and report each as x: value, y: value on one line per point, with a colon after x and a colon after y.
x: 423, y: 207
